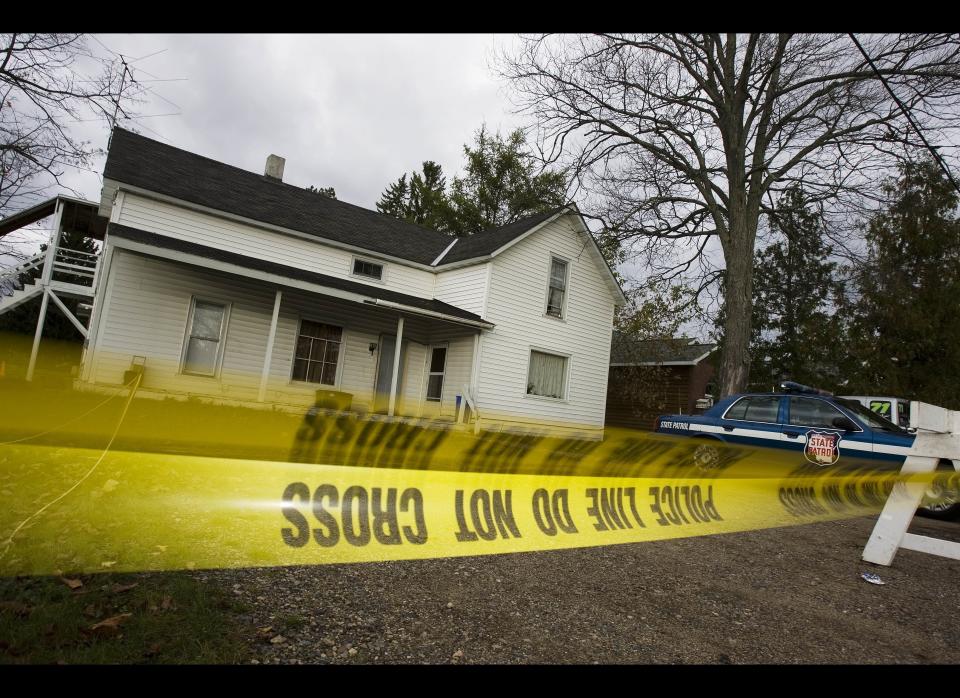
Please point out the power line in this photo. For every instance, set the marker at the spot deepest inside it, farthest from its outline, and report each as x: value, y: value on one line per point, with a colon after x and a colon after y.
x: 906, y: 112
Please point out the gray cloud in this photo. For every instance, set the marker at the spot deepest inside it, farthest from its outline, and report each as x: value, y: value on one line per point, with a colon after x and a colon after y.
x: 349, y: 111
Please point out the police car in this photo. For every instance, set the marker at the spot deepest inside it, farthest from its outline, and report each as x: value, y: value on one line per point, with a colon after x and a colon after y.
x: 825, y: 429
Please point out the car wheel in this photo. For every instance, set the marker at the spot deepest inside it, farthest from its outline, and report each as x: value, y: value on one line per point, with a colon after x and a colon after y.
x: 941, y: 503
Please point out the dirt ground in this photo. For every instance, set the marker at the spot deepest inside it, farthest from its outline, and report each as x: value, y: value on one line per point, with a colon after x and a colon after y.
x: 789, y: 595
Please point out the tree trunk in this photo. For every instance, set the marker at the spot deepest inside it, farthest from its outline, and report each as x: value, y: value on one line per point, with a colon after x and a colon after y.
x: 735, y: 362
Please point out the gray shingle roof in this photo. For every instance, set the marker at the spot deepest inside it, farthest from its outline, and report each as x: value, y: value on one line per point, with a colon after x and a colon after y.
x: 492, y: 239
x: 626, y: 350
x: 161, y: 168
x: 164, y: 242
x: 148, y: 164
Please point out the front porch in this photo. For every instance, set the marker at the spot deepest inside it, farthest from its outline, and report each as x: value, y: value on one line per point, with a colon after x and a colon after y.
x: 234, y: 332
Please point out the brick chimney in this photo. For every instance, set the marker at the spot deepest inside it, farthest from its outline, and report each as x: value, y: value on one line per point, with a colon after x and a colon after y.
x: 274, y: 168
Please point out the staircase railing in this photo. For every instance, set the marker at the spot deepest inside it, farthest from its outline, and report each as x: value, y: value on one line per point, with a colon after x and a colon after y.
x: 11, y: 278
x: 79, y: 265
x: 70, y: 266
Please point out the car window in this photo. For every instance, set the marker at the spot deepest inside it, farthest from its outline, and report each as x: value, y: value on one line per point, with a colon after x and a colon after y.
x: 903, y: 414
x: 755, y: 409
x: 872, y: 419
x: 812, y: 413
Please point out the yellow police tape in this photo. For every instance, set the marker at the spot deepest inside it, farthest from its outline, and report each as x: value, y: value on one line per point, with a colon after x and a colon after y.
x: 161, y: 488
x: 161, y: 511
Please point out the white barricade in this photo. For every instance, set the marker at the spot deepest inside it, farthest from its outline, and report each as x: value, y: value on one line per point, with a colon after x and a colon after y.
x: 938, y: 437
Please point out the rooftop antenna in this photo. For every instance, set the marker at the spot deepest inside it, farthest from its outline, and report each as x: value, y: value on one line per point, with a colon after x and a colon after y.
x: 116, y: 101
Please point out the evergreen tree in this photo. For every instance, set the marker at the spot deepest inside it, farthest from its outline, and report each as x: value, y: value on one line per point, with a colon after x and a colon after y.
x: 421, y: 201
x: 907, y: 337
x: 323, y: 191
x: 795, y: 331
x: 501, y: 184
x: 395, y: 200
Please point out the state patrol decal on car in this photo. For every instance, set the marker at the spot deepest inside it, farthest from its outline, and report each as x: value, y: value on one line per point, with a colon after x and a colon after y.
x: 823, y: 447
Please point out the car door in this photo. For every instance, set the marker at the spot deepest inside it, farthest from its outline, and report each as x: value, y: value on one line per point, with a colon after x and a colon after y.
x: 808, y: 429
x: 753, y: 420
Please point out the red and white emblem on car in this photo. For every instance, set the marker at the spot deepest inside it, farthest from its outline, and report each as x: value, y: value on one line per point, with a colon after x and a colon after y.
x: 823, y: 447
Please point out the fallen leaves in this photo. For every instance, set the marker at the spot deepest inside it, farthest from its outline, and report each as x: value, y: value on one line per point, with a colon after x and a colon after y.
x: 74, y: 584
x: 110, y: 625
x: 16, y: 608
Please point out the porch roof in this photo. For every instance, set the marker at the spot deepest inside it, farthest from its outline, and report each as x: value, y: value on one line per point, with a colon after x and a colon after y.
x: 286, y: 275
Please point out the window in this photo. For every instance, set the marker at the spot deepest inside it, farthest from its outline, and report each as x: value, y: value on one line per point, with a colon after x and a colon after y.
x: 203, y: 349
x: 558, y: 287
x: 812, y: 413
x: 755, y: 409
x: 547, y: 375
x: 368, y: 269
x: 317, y: 353
x: 438, y: 364
x: 882, y: 408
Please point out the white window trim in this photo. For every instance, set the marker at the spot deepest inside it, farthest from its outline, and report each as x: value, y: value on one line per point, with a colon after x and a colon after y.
x: 428, y: 372
x: 383, y: 269
x: 566, y: 288
x: 340, y: 356
x: 221, y: 344
x: 566, y: 377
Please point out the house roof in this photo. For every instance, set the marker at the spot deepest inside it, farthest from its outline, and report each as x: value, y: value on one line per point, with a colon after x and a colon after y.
x: 676, y: 351
x: 139, y: 161
x: 489, y: 241
x: 154, y: 166
x: 431, y: 305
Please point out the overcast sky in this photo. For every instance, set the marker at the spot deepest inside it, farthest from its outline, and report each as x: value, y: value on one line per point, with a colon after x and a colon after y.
x: 349, y: 111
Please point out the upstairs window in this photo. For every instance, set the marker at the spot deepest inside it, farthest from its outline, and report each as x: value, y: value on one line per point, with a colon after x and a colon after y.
x: 558, y: 287
x: 204, y: 346
x: 317, y: 353
x: 361, y: 267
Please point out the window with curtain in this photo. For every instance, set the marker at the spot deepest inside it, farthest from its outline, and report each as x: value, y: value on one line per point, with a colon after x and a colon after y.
x: 202, y: 353
x: 317, y: 353
x: 558, y: 287
x: 547, y: 375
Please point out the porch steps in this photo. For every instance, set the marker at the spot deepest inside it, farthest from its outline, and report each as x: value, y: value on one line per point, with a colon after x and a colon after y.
x: 10, y: 298
x: 18, y: 285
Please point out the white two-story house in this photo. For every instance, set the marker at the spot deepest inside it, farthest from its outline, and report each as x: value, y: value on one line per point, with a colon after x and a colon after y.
x: 233, y: 286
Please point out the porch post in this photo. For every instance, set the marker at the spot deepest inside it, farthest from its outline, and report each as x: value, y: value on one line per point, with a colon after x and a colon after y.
x: 36, y: 336
x: 396, y: 367
x: 51, y: 252
x: 261, y: 396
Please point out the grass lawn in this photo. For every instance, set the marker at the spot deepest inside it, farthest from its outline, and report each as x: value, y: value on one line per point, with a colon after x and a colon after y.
x: 168, y: 618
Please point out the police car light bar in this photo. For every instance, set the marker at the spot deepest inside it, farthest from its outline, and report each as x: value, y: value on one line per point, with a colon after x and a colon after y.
x: 791, y: 387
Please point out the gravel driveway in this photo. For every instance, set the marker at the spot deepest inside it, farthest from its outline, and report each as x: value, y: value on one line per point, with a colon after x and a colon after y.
x: 789, y: 595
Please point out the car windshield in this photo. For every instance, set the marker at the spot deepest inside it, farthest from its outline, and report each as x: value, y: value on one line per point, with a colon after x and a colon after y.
x: 874, y: 420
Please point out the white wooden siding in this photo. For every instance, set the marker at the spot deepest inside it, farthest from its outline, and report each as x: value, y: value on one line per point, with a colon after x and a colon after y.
x: 205, y: 229
x: 517, y: 306
x: 465, y: 288
x: 147, y: 316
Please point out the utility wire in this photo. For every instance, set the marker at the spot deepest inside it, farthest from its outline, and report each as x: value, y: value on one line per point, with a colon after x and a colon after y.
x: 906, y: 113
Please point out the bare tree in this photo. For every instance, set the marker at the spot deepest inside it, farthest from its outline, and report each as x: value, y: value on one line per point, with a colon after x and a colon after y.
x: 678, y: 140
x: 48, y: 82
